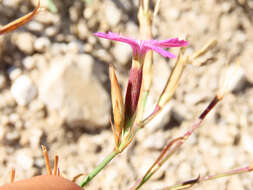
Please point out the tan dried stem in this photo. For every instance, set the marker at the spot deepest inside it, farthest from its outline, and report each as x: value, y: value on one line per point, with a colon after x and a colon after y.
x: 203, y: 55
x: 56, y: 160
x: 207, y: 47
x: 145, y: 28
x: 157, y: 7
x: 172, y: 82
x: 20, y: 21
x: 46, y: 158
x: 78, y: 176
x: 12, y: 175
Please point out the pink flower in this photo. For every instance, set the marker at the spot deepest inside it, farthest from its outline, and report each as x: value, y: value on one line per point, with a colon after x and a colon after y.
x: 140, y: 47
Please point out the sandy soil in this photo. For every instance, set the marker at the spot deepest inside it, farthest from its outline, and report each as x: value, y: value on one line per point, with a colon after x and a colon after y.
x: 224, y: 142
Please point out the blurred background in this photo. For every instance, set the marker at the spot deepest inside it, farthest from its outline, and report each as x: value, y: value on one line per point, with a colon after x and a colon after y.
x: 54, y: 90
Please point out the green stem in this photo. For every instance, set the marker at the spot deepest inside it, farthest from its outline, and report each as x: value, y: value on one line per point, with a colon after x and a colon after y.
x: 144, y: 180
x: 99, y: 168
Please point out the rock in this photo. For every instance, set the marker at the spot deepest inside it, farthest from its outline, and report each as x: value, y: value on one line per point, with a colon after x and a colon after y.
x: 29, y: 62
x: 12, y: 3
x: 41, y: 44
x: 70, y: 87
x: 12, y: 137
x: 35, y: 26
x: 14, y: 73
x: 112, y: 13
x: 239, y: 80
x: 81, y: 29
x: 24, y: 158
x: 247, y: 143
x: 122, y: 53
x: 23, y: 90
x: 48, y: 18
x: 24, y: 41
x: 35, y: 135
x: 103, y: 55
x: 51, y: 31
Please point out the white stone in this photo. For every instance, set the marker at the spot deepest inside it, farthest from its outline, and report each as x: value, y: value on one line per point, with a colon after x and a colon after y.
x: 24, y: 41
x: 112, y: 13
x: 11, y: 3
x: 122, y: 53
x: 239, y: 79
x: 14, y: 73
x: 41, y: 44
x: 35, y: 26
x: 70, y: 87
x: 35, y: 136
x: 51, y: 31
x: 24, y: 159
x: 247, y: 143
x: 29, y: 62
x: 23, y: 90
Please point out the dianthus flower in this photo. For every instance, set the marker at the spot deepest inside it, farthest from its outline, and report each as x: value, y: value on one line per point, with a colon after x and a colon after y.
x: 140, y: 48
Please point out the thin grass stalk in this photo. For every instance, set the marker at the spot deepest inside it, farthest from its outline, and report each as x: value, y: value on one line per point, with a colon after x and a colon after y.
x: 99, y: 168
x: 145, y: 28
x: 174, y: 145
x: 190, y: 183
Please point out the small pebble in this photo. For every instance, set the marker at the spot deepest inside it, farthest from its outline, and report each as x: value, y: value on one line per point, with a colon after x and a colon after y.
x: 29, y: 63
x: 41, y: 44
x: 23, y: 90
x: 112, y: 14
x: 122, y: 53
x: 24, y: 41
x: 14, y: 73
x: 24, y: 159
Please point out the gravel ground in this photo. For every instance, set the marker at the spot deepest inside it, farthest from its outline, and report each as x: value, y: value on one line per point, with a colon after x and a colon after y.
x: 54, y: 90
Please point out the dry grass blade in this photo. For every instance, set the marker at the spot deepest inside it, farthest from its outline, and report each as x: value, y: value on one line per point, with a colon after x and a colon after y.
x: 56, y: 159
x: 117, y: 103
x: 212, y: 43
x: 12, y: 175
x: 45, y: 153
x: 188, y: 184
x: 20, y: 21
x: 78, y: 176
x: 172, y: 82
x: 157, y: 7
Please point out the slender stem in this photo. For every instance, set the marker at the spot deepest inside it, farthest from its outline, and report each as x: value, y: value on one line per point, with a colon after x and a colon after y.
x: 145, y: 28
x: 174, y: 145
x: 190, y: 183
x: 99, y: 168
x: 146, y: 178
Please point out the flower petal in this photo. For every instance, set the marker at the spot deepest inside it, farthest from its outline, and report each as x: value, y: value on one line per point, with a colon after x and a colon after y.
x: 173, y: 42
x: 159, y: 50
x: 116, y: 37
